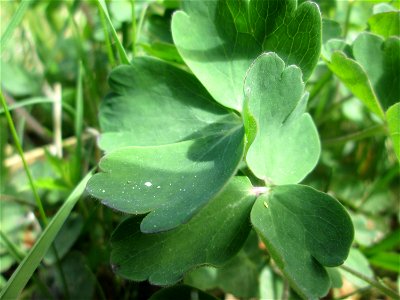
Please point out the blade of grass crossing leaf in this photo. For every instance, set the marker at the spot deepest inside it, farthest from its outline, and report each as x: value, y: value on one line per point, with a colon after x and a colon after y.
x: 16, y: 19
x: 21, y: 154
x: 124, y: 58
x: 25, y: 270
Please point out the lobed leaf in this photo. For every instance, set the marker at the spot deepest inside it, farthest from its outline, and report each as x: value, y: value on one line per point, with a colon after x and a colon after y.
x: 154, y: 103
x: 385, y: 24
x: 219, y: 39
x: 285, y: 146
x: 304, y: 231
x: 213, y: 236
x: 170, y: 182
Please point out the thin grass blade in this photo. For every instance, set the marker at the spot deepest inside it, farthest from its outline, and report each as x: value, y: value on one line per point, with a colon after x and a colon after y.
x: 28, y: 266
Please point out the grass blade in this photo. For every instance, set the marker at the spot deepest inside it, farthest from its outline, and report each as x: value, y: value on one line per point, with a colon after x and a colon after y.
x: 124, y: 58
x: 21, y: 154
x: 16, y: 19
x: 28, y: 266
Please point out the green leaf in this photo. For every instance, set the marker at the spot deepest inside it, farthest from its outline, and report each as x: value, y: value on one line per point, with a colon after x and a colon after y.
x: 389, y: 242
x: 219, y: 39
x: 213, y: 236
x: 18, y: 81
x: 163, y: 51
x: 286, y: 146
x: 31, y: 261
x: 271, y: 285
x: 336, y: 277
x: 172, y: 181
x: 385, y: 24
x: 393, y: 123
x: 239, y: 276
x: 386, y: 260
x: 330, y: 30
x: 354, y: 77
x: 154, y: 103
x: 372, y: 75
x: 381, y: 61
x: 181, y: 292
x: 304, y: 231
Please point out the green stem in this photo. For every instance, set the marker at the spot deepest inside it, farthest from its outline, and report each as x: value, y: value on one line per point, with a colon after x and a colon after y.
x: 11, y: 247
x: 21, y: 154
x: 347, y: 20
x: 366, y: 133
x: 91, y: 81
x: 319, y: 85
x: 385, y: 290
x: 141, y: 21
x: 61, y: 272
x: 30, y: 178
x: 133, y: 28
x: 121, y: 51
x: 110, y: 53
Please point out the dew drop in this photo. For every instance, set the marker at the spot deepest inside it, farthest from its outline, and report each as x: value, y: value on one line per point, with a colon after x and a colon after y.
x: 148, y: 183
x: 158, y: 187
x: 103, y: 191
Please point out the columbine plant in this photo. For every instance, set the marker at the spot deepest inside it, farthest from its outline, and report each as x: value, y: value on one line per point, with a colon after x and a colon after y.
x: 174, y: 142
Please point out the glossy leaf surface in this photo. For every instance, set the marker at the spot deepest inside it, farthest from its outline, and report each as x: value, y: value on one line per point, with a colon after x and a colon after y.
x: 285, y: 145
x: 304, y: 230
x: 219, y: 39
x: 213, y: 236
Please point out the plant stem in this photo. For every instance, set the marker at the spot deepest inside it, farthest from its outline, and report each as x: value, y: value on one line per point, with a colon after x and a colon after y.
x: 347, y: 20
x: 359, y: 135
x: 319, y: 85
x: 385, y: 290
x: 21, y: 154
x: 121, y: 51
x: 11, y: 247
x: 133, y: 28
x: 110, y: 52
x: 141, y: 21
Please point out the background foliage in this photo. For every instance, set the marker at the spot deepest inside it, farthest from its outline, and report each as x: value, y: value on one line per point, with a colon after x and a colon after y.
x: 55, y: 60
